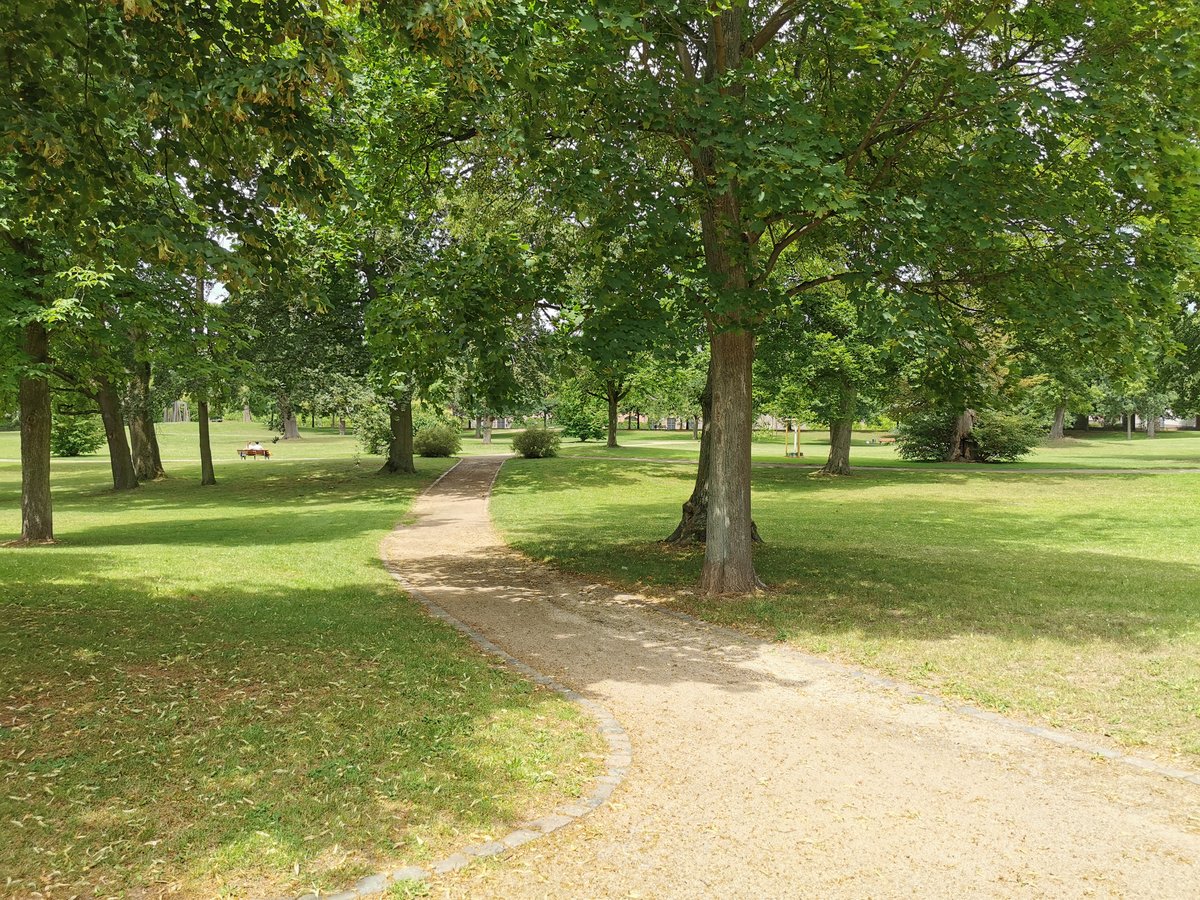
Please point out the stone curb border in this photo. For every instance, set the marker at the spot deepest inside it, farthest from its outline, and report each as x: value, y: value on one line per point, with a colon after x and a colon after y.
x: 620, y: 758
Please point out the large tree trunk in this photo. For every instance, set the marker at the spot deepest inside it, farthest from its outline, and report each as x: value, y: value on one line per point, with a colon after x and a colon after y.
x: 119, y: 456
x: 143, y: 442
x: 728, y: 554
x: 1057, y: 430
x: 841, y: 429
x: 613, y: 396
x: 287, y: 418
x: 1151, y: 426
x: 33, y: 399
x: 486, y: 433
x: 1081, y: 422
x: 341, y: 425
x: 246, y: 416
x: 207, y: 475
x: 400, y: 448
x: 963, y: 447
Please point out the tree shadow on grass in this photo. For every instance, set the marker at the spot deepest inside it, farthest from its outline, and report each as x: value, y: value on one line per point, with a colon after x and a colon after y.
x: 228, y: 734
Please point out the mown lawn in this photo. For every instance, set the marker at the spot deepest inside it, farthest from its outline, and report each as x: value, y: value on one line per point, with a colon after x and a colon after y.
x: 1092, y: 450
x: 220, y: 692
x: 1067, y: 599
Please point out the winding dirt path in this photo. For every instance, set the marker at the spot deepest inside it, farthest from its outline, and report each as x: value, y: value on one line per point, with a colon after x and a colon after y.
x: 759, y: 772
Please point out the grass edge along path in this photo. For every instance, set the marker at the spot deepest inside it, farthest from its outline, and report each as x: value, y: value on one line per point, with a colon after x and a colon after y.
x: 221, y: 692
x: 1025, y: 597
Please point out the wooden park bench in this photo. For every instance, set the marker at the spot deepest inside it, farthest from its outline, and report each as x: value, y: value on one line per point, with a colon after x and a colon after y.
x: 887, y: 440
x: 243, y: 452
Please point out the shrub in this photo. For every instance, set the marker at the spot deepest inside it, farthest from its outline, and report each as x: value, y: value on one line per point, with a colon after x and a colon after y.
x: 1005, y: 436
x: 536, y: 442
x: 75, y: 435
x: 373, y: 425
x: 437, y: 440
x: 925, y: 435
x: 999, y: 436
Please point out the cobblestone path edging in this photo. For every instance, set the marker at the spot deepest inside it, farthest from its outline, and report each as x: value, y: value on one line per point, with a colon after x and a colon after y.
x: 620, y: 757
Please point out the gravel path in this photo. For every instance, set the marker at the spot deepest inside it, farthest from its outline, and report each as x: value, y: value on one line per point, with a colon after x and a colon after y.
x: 759, y: 772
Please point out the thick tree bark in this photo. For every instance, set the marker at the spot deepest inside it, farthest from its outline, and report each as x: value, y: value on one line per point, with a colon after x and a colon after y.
x: 479, y: 427
x: 341, y: 425
x: 207, y: 474
x: 119, y: 455
x: 841, y: 429
x: 728, y: 555
x: 287, y: 418
x: 246, y: 416
x: 400, y: 448
x: 33, y: 399
x: 143, y: 441
x: 613, y: 395
x: 1081, y: 422
x: 963, y: 447
x: 1057, y: 432
x: 486, y: 434
x: 1151, y: 426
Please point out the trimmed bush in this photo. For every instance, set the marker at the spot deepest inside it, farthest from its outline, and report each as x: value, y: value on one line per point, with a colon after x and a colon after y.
x: 75, y: 435
x: 437, y: 440
x: 536, y: 442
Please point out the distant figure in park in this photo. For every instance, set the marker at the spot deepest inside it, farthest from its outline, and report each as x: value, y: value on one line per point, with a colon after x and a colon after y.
x: 254, y: 445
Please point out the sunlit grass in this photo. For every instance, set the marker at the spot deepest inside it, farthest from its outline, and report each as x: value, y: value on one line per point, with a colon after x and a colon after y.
x: 1069, y: 599
x: 220, y: 690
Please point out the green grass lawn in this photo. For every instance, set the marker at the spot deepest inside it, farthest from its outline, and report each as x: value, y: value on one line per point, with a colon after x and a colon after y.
x: 1067, y: 599
x: 1094, y: 450
x: 220, y: 691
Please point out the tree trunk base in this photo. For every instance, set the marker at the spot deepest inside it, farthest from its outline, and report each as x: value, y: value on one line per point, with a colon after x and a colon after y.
x: 693, y: 527
x: 390, y: 468
x: 30, y: 542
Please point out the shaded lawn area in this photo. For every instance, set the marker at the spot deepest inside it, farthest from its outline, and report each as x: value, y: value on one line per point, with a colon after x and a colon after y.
x: 1072, y: 600
x: 221, y: 691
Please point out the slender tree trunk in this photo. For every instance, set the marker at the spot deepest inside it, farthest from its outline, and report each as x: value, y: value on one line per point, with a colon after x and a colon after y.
x: 143, y: 441
x: 207, y: 473
x: 1057, y: 432
x: 119, y: 455
x: 611, y: 392
x: 1129, y: 428
x: 341, y: 425
x: 963, y: 447
x: 1081, y: 422
x: 479, y: 427
x: 637, y: 418
x: 696, y: 428
x: 728, y: 560
x: 33, y: 399
x: 1197, y: 425
x: 487, y: 429
x: 545, y: 418
x: 400, y: 448
x: 693, y: 523
x: 841, y: 429
x: 1151, y: 426
x: 246, y: 416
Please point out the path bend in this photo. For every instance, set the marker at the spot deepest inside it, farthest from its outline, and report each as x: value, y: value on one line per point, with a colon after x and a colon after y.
x: 758, y: 772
